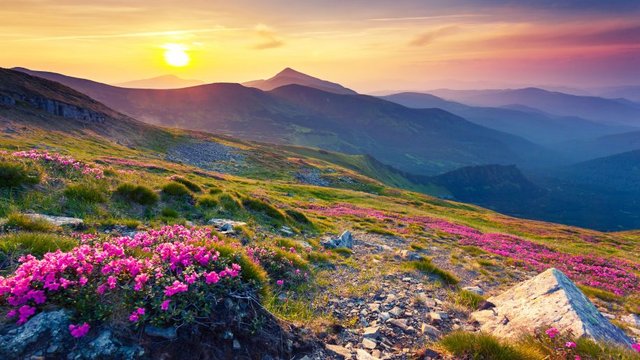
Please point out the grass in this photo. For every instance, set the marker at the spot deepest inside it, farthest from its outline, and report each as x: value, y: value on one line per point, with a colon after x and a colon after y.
x: 600, y: 294
x: 23, y: 222
x: 207, y: 201
x: 86, y: 193
x: 480, y: 346
x: 187, y: 183
x: 15, y: 175
x: 175, y: 189
x: 263, y: 207
x: 345, y: 252
x: 425, y: 265
x: 137, y: 193
x: 298, y: 217
x: 467, y: 299
x: 13, y: 246
x: 169, y: 213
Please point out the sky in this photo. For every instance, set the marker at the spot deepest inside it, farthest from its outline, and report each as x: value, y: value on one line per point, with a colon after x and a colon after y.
x: 367, y: 45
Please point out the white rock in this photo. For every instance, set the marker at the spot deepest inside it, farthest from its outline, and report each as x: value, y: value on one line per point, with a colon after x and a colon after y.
x: 363, y: 355
x: 339, y: 351
x: 56, y: 220
x: 548, y: 299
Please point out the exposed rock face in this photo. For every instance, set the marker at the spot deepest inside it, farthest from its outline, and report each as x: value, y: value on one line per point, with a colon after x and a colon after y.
x: 54, y: 107
x: 549, y: 299
x: 344, y: 241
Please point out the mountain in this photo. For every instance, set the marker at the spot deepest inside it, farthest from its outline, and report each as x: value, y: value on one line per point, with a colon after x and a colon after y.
x: 161, y: 82
x: 289, y: 76
x: 602, y: 146
x: 619, y: 172
x: 520, y: 120
x: 53, y: 106
x: 627, y: 92
x: 606, y: 111
x: 488, y: 184
x: 421, y: 141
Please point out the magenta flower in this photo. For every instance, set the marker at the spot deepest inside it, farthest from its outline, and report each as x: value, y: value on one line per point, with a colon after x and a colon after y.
x: 25, y: 312
x: 165, y: 305
x: 280, y: 282
x: 175, y: 288
x: 78, y: 331
x: 570, y: 345
x: 552, y: 332
x: 636, y: 347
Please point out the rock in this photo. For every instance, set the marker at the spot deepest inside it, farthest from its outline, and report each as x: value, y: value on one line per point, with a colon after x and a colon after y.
x: 57, y: 220
x: 169, y: 333
x: 474, y: 289
x: 236, y: 344
x: 344, y: 241
x: 339, y: 351
x: 105, y: 346
x: 41, y: 331
x: 226, y: 225
x: 369, y: 344
x: 430, y: 330
x: 632, y: 319
x: 286, y: 231
x: 401, y: 323
x: 410, y: 255
x: 371, y: 332
x: 548, y: 299
x: 363, y: 355
x: 384, y: 316
x: 396, y: 311
x: 435, y: 317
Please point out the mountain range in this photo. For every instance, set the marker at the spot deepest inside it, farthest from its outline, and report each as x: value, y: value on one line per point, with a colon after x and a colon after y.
x: 289, y: 76
x: 161, y: 82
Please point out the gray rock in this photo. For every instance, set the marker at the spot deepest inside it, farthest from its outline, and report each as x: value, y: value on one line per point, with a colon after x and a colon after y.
x: 56, y: 220
x: 369, y: 344
x: 44, y: 330
x: 371, y: 332
x: 338, y: 351
x: 344, y: 241
x: 286, y: 231
x: 105, y: 346
x: 632, y: 319
x: 474, y: 289
x: 363, y: 355
x: 169, y: 333
x: 429, y: 330
x: 549, y: 299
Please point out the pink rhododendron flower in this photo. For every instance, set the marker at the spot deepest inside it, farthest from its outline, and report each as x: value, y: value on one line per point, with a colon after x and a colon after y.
x: 25, y: 312
x: 570, y: 344
x: 78, y: 331
x: 552, y: 332
x: 280, y: 282
x: 165, y: 305
x: 175, y: 288
x: 636, y: 347
x: 212, y: 277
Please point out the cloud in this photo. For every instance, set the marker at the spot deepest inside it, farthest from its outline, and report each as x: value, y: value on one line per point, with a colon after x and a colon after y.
x: 430, y: 36
x: 269, y: 38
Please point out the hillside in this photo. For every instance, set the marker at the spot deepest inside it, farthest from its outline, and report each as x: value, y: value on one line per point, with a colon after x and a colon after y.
x: 523, y: 121
x: 161, y: 82
x: 602, y: 146
x: 605, y: 111
x: 421, y: 141
x: 290, y: 76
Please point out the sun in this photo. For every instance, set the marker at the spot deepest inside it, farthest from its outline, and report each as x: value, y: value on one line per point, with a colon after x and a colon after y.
x: 175, y: 55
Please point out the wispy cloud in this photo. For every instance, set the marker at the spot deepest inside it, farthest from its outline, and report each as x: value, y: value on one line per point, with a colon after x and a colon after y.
x: 131, y: 34
x: 430, y: 36
x: 434, y: 17
x: 268, y: 36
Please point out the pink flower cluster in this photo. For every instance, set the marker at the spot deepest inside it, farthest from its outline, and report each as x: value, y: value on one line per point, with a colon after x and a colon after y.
x: 65, y: 162
x: 611, y: 274
x: 150, y: 265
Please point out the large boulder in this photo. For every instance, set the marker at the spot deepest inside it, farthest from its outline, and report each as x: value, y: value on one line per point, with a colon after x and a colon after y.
x: 344, y: 241
x: 549, y: 299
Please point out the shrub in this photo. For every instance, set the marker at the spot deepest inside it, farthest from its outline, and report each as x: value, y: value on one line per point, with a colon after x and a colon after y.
x: 187, y: 183
x: 23, y: 222
x: 298, y: 217
x: 426, y: 266
x: 169, y: 212
x: 346, y: 252
x: 14, y: 175
x: 207, y: 201
x: 480, y: 346
x: 175, y: 189
x: 260, y: 206
x: 36, y: 244
x: 85, y: 193
x: 229, y: 203
x: 137, y: 194
x: 215, y: 190
x: 286, y: 269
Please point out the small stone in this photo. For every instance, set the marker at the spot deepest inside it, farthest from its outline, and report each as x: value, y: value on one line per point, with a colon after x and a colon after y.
x: 236, y: 345
x: 430, y: 330
x: 169, y: 333
x: 363, y: 355
x: 401, y: 323
x: 339, y: 351
x: 435, y: 317
x: 396, y: 311
x: 375, y: 307
x: 369, y: 344
x: 371, y: 332
x: 474, y: 289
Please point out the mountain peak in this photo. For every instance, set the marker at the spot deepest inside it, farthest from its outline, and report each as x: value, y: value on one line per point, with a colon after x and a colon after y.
x: 289, y: 76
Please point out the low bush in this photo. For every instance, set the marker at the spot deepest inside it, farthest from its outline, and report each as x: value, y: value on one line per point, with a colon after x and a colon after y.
x: 187, y: 183
x: 480, y: 346
x: 260, y: 206
x: 207, y: 201
x: 137, y: 193
x: 24, y: 222
x: 14, y: 175
x: 169, y: 213
x: 298, y: 217
x: 215, y: 190
x: 467, y: 299
x: 85, y: 193
x: 37, y: 244
x: 175, y: 189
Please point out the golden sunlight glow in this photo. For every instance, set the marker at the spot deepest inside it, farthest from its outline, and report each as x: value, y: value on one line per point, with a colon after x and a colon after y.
x: 175, y: 55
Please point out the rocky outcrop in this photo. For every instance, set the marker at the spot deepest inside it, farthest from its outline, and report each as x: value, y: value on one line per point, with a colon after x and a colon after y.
x: 549, y: 299
x: 57, y: 220
x: 53, y: 107
x: 226, y: 226
x: 344, y: 241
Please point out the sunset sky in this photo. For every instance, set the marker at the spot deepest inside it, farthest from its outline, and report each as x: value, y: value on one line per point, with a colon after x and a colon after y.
x: 367, y: 45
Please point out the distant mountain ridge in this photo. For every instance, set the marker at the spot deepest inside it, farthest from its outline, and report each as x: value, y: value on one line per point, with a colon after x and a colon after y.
x: 532, y: 124
x: 161, y: 82
x: 289, y: 76
x: 607, y: 111
x: 421, y: 141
